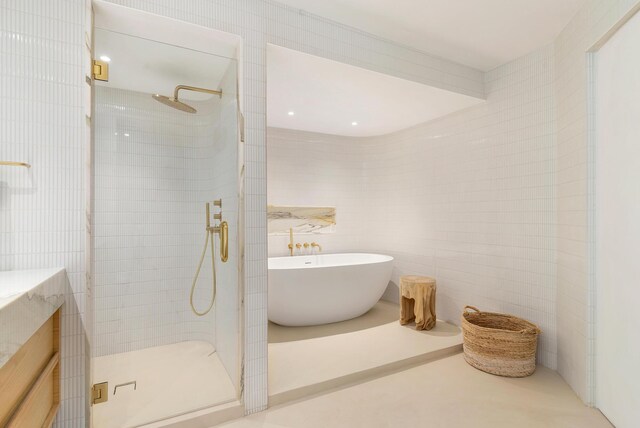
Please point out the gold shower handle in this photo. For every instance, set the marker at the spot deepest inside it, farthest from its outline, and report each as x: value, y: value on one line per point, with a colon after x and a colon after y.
x: 223, y: 230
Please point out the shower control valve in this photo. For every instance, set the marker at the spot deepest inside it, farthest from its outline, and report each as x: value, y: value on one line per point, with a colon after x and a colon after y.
x: 217, y: 216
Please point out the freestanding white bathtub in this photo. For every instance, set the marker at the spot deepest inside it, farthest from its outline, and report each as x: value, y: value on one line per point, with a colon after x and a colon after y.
x: 321, y: 289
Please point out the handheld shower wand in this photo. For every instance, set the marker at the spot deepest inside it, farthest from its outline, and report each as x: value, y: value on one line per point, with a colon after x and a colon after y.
x: 223, y: 230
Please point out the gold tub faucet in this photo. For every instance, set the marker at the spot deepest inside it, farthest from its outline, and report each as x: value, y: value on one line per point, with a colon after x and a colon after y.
x: 315, y: 244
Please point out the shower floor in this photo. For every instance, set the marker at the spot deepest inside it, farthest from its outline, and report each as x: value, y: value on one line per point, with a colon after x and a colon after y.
x: 171, y: 380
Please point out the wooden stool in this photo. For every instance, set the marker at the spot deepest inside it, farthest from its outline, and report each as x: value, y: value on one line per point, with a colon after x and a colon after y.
x: 418, y: 300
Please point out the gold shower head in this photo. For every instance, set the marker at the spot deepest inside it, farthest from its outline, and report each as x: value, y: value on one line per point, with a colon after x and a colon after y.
x: 177, y: 104
x: 174, y: 102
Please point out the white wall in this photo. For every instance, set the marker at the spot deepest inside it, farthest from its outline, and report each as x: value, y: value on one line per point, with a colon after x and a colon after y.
x: 42, y: 209
x: 468, y: 198
x: 311, y: 169
x: 617, y: 109
x: 149, y: 219
x: 576, y: 290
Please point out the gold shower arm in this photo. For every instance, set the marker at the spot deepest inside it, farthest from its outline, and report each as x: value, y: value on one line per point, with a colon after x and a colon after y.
x: 195, y: 89
x: 10, y: 163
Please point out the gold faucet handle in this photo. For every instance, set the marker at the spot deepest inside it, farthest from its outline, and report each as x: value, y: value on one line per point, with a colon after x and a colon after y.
x: 217, y: 216
x: 306, y: 245
x: 298, y: 245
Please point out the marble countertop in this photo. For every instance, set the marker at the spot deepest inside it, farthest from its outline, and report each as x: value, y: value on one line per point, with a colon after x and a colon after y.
x: 27, y: 299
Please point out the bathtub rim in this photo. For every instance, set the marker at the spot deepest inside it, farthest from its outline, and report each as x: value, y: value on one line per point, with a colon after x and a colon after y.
x: 384, y: 258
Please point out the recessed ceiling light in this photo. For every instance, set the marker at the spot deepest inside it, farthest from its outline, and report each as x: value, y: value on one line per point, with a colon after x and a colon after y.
x: 126, y: 135
x: 354, y: 123
x: 105, y: 58
x: 291, y: 113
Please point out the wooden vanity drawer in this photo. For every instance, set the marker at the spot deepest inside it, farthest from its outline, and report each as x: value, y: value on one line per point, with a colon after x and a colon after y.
x: 30, y: 380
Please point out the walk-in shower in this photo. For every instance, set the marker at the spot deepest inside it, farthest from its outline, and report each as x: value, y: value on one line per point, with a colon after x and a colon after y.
x: 167, y: 316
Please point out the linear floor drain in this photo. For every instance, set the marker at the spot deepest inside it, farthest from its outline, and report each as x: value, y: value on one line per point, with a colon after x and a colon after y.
x: 133, y: 382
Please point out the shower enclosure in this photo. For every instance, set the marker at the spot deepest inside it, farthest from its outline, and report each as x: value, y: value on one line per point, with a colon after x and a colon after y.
x: 158, y: 169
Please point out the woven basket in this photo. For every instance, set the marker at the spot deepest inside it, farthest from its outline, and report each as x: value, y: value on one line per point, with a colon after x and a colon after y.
x: 499, y: 344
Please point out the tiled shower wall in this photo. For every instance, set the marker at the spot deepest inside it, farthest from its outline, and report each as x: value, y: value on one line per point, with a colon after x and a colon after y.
x: 42, y: 121
x: 468, y: 198
x: 153, y: 174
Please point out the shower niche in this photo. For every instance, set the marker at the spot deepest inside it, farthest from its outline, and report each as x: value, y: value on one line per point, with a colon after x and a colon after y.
x: 165, y: 152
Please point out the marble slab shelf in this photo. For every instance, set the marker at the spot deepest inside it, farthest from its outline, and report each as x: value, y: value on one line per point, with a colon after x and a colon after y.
x: 28, y: 298
x: 301, y: 219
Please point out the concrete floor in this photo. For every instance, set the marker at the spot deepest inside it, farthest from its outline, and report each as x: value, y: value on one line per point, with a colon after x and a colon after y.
x: 171, y: 380
x: 308, y: 360
x: 445, y: 393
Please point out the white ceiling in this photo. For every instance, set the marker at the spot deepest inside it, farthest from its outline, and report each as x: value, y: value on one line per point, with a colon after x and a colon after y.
x: 327, y: 96
x: 479, y: 33
x: 157, y: 68
x: 153, y: 54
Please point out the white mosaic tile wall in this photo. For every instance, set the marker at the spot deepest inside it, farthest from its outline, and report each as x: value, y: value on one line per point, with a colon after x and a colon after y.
x: 42, y: 121
x: 468, y: 198
x: 576, y: 293
x: 311, y: 169
x: 153, y: 175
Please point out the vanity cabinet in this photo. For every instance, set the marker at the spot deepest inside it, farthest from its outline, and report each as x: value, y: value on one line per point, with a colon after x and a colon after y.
x: 30, y: 379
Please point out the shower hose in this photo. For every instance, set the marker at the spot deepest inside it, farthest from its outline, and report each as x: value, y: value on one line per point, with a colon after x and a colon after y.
x: 208, y: 238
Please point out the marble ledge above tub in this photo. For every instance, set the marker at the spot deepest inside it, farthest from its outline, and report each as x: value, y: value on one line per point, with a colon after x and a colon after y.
x: 27, y: 299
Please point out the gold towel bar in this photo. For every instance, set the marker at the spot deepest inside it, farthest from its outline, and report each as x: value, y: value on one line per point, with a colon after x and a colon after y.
x: 9, y: 163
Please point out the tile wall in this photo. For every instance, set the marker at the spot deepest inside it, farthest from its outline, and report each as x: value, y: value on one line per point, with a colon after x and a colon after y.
x: 153, y: 175
x: 311, y: 169
x: 468, y: 198
x: 42, y: 209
